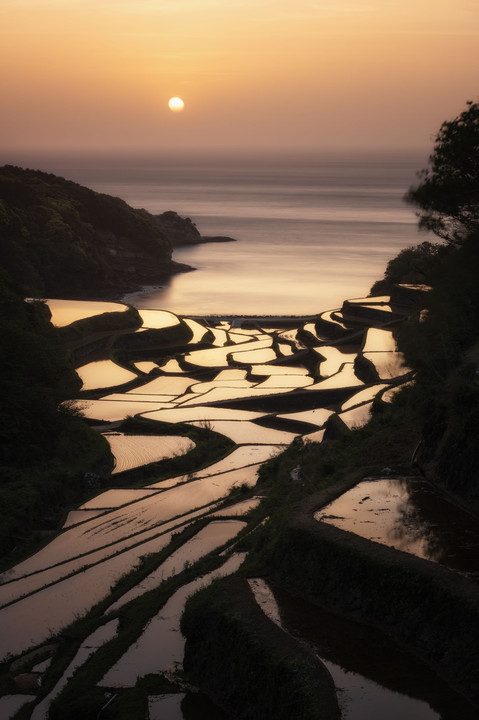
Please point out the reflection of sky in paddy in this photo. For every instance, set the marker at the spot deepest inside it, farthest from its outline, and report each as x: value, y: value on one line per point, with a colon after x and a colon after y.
x: 389, y: 394
x: 220, y: 394
x: 172, y: 366
x: 158, y: 319
x: 286, y: 381
x: 333, y: 359
x: 213, y: 535
x: 146, y: 366
x: 102, y: 374
x: 379, y: 340
x: 31, y: 620
x: 388, y: 364
x: 200, y: 412
x: 115, y: 410
x: 164, y: 386
x: 315, y: 417
x: 343, y: 379
x: 128, y: 549
x: 115, y: 498
x: 363, y: 396
x: 65, y: 312
x: 328, y: 317
x: 383, y: 683
x: 213, y: 357
x: 407, y: 514
x: 231, y: 374
x: 371, y: 300
x: 131, y: 451
x: 254, y: 356
x: 198, y: 330
x: 285, y: 349
x: 78, y: 516
x: 242, y: 457
x: 148, y: 513
x: 147, y: 655
x: 357, y: 417
x: 203, y: 387
x: 269, y: 370
x: 239, y: 336
x: 220, y: 336
x: 314, y: 436
x: 248, y: 432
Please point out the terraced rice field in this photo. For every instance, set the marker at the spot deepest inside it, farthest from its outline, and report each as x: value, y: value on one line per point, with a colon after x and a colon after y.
x: 105, y: 538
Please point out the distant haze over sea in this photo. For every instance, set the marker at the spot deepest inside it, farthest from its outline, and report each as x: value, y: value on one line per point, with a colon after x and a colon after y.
x: 310, y: 231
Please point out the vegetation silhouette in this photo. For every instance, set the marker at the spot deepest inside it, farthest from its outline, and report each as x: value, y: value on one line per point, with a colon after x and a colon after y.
x: 448, y: 193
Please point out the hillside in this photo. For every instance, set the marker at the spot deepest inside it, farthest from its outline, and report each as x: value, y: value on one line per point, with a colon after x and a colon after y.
x: 63, y: 240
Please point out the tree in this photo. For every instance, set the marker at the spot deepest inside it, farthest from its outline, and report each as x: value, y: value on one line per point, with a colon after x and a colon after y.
x: 448, y: 192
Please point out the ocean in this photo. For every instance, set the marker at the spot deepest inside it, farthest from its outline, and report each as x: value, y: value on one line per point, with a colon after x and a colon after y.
x: 310, y: 232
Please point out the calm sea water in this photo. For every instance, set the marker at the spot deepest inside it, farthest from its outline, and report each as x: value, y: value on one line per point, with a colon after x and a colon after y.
x: 309, y: 232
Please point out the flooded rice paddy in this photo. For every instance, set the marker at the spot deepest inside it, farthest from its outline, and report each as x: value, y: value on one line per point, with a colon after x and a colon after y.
x: 408, y: 514
x: 102, y: 374
x: 131, y: 451
x: 105, y: 539
x: 385, y: 682
x: 65, y: 312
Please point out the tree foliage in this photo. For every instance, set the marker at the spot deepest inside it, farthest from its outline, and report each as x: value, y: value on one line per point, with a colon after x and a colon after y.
x: 60, y: 239
x: 448, y: 192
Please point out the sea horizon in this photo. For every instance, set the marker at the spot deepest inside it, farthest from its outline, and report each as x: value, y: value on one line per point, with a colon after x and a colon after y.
x: 309, y: 232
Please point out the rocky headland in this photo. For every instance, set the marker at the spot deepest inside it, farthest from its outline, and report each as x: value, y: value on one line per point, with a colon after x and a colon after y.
x: 60, y: 239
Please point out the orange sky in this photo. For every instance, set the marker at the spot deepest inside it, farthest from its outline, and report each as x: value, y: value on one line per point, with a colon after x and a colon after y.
x: 324, y: 74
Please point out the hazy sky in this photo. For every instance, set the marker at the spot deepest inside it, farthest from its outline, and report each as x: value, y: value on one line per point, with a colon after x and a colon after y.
x: 90, y: 74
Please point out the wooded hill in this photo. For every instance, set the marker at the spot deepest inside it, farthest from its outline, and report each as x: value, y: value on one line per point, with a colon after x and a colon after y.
x: 60, y: 239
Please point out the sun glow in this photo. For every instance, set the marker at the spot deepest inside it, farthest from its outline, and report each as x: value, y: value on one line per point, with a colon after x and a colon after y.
x: 176, y: 104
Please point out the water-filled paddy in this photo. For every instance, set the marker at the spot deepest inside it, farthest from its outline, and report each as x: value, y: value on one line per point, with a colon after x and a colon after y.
x: 131, y: 451
x: 204, y: 387
x: 146, y: 367
x: 99, y: 637
x: 241, y: 457
x: 250, y: 357
x: 201, y: 412
x: 215, y: 534
x: 284, y: 370
x: 346, y: 377
x: 146, y: 655
x: 115, y: 410
x: 65, y: 312
x: 408, y: 514
x: 358, y: 416
x: 331, y: 359
x: 198, y: 330
x: 290, y: 382
x: 379, y: 340
x: 314, y: 417
x: 388, y: 365
x: 170, y: 385
x: 158, y: 319
x: 128, y: 524
x: 384, y: 682
x: 103, y: 374
x: 114, y: 498
x: 247, y: 432
x: 363, y: 396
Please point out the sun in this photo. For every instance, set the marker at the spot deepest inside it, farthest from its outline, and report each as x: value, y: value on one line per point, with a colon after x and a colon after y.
x: 176, y: 104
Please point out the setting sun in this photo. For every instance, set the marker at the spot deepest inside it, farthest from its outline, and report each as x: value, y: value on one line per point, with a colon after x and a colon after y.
x: 176, y: 104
